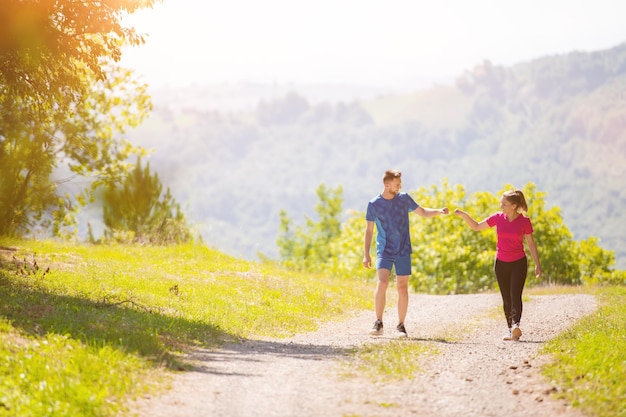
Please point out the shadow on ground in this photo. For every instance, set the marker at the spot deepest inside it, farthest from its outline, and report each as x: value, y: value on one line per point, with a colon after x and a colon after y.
x: 36, y: 310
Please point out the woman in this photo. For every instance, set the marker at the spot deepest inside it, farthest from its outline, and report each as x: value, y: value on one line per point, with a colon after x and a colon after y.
x: 511, y: 265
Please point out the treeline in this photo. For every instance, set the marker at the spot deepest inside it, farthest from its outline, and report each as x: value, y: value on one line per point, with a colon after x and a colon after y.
x: 558, y: 122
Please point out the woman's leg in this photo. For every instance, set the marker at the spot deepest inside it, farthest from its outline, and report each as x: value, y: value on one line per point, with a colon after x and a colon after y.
x: 519, y: 271
x: 503, y: 275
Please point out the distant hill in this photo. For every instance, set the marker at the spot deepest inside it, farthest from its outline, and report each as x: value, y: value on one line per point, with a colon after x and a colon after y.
x: 245, y: 97
x: 557, y: 121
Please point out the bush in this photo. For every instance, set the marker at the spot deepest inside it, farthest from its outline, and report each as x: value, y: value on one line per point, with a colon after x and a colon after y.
x: 448, y: 257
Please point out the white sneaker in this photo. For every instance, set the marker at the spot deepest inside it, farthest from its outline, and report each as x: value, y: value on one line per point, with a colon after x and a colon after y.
x: 377, y: 330
x: 401, y: 331
x: 516, y: 332
x: 507, y: 336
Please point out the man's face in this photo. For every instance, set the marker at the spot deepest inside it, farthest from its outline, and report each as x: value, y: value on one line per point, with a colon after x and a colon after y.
x: 393, y: 187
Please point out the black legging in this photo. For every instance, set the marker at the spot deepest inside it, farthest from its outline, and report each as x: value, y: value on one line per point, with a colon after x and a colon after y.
x: 511, y: 279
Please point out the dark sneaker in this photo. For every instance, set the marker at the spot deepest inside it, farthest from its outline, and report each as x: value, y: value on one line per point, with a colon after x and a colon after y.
x: 377, y: 330
x: 516, y: 332
x: 400, y: 330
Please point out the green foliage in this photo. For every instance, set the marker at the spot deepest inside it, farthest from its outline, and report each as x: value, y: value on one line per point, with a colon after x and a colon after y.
x: 138, y: 211
x: 449, y: 257
x: 453, y: 261
x: 308, y: 248
x: 564, y: 260
x: 347, y: 248
x: 63, y: 101
x: 595, y: 264
x: 557, y: 122
x: 46, y: 48
x: 557, y: 249
x: 590, y: 361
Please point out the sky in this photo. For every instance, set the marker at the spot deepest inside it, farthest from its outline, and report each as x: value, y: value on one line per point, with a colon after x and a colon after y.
x: 360, y: 42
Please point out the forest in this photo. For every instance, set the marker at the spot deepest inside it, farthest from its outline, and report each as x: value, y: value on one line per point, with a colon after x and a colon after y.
x: 558, y: 122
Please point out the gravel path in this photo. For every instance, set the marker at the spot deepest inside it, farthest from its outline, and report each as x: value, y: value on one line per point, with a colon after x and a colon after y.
x: 474, y: 373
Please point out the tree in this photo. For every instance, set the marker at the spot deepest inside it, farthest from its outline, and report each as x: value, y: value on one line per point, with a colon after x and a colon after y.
x: 309, y: 247
x: 47, y: 47
x: 449, y: 257
x: 137, y: 211
x: 63, y: 104
x: 557, y: 248
x: 282, y: 111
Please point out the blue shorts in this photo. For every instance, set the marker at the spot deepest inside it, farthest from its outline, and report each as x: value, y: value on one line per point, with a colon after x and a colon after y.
x: 402, y: 263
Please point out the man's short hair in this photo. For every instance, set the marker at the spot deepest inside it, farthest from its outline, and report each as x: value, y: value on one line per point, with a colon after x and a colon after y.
x: 391, y: 174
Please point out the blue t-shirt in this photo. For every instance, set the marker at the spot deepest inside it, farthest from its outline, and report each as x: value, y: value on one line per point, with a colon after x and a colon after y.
x: 392, y: 224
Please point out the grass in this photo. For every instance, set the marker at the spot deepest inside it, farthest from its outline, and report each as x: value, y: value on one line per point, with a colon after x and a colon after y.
x: 56, y: 375
x: 85, y: 329
x: 552, y: 289
x: 590, y: 359
x: 391, y: 360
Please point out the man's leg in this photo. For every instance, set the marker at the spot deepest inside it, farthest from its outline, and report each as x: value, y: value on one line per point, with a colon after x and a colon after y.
x: 402, y: 282
x: 381, y: 291
x: 403, y: 272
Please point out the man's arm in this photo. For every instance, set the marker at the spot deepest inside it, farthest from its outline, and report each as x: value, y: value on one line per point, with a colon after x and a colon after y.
x: 369, y: 232
x: 430, y: 212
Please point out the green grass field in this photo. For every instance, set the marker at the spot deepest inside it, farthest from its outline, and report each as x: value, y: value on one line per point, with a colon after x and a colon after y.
x: 590, y: 359
x: 85, y: 329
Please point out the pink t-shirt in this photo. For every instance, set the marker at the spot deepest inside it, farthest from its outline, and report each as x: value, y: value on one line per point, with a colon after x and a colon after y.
x: 510, y: 246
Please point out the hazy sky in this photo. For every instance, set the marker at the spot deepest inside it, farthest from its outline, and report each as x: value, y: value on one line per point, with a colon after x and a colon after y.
x: 373, y: 42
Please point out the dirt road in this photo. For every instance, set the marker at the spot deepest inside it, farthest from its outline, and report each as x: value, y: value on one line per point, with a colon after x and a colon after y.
x: 474, y: 373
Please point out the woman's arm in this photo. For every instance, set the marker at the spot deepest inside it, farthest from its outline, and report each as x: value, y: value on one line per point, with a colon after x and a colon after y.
x: 473, y: 224
x: 532, y: 247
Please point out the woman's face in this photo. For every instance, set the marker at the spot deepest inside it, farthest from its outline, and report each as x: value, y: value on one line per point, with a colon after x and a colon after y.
x: 507, y: 207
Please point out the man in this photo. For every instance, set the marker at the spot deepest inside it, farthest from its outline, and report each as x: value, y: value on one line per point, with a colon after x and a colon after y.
x: 389, y: 211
